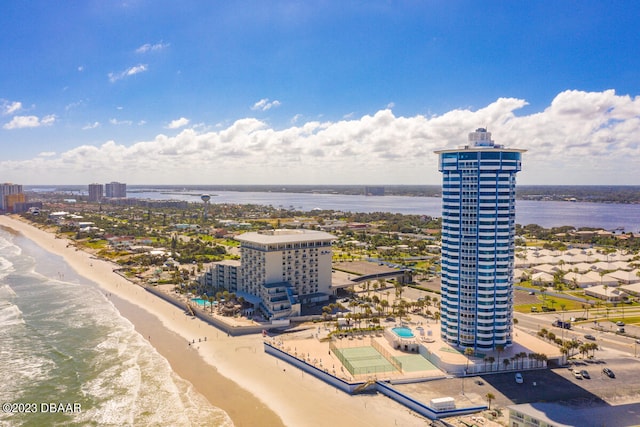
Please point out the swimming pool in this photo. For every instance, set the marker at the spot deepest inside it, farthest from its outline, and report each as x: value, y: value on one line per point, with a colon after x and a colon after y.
x: 203, y: 302
x: 403, y: 332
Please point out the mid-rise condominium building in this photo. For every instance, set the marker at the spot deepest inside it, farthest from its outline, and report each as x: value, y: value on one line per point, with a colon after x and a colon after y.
x: 478, y: 242
x: 285, y: 268
x: 222, y: 275
x: 9, y: 195
x: 116, y: 190
x: 96, y: 192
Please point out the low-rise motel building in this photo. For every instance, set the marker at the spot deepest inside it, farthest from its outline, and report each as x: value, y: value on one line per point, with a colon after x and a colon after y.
x: 279, y: 270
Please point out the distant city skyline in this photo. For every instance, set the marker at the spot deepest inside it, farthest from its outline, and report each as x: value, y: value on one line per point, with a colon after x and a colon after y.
x: 290, y: 92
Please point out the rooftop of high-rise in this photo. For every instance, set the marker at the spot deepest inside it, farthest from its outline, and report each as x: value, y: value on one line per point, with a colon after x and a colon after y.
x: 284, y: 236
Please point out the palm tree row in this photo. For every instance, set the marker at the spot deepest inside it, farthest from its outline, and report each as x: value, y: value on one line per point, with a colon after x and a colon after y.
x: 569, y: 347
x: 539, y: 358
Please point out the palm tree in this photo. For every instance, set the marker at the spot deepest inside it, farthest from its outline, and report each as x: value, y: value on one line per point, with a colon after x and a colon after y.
x: 490, y: 397
x: 384, y: 304
x: 211, y: 299
x: 523, y: 355
x: 542, y: 358
x: 489, y: 360
x: 593, y: 347
x: 499, y: 349
x: 399, y: 289
x: 506, y: 363
x: 468, y: 352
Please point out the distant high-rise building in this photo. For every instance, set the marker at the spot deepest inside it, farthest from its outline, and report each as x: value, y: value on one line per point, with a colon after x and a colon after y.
x: 10, y: 194
x: 96, y: 192
x: 116, y: 190
x: 373, y: 191
x: 478, y: 242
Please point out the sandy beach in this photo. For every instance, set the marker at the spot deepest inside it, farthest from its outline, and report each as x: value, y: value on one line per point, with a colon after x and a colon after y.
x: 233, y: 373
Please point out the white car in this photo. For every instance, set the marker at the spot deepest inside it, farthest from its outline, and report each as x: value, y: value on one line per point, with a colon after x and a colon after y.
x: 519, y: 379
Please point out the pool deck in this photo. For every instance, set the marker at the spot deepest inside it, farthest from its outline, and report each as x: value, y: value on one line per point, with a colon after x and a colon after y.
x: 310, y: 342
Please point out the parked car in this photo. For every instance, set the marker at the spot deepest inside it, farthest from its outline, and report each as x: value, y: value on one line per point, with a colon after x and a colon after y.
x: 590, y: 337
x: 608, y: 372
x: 619, y: 323
x: 585, y: 374
x: 519, y: 379
x: 577, y: 374
x: 621, y: 329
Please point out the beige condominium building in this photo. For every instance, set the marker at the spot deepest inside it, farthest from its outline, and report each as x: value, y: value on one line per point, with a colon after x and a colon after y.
x: 285, y: 268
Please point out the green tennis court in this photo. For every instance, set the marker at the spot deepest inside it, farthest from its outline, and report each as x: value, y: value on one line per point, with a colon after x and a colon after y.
x: 415, y: 362
x: 364, y: 360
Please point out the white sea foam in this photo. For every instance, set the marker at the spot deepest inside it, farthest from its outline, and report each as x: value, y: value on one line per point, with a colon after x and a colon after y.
x: 60, y: 337
x: 7, y: 246
x: 25, y: 366
x: 6, y: 267
x: 10, y: 314
x: 136, y: 386
x: 6, y: 292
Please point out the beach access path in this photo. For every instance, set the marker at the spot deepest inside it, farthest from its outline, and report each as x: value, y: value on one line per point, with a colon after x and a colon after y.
x: 233, y: 373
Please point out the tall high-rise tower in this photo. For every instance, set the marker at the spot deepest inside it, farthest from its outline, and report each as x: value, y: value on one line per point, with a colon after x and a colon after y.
x: 115, y: 190
x: 478, y: 242
x: 96, y: 192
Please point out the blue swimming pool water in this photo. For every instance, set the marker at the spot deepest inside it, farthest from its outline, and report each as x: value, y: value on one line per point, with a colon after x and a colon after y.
x: 202, y: 302
x: 403, y: 332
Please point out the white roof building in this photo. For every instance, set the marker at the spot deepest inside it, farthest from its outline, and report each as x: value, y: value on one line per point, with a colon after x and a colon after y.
x: 582, y: 267
x: 607, y: 294
x: 588, y: 279
x: 545, y: 268
x: 542, y: 278
x: 626, y: 277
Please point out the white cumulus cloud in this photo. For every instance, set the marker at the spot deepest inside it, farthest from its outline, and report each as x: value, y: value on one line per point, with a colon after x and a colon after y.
x: 264, y: 104
x: 580, y: 138
x: 178, y: 123
x: 19, y: 122
x: 8, y: 107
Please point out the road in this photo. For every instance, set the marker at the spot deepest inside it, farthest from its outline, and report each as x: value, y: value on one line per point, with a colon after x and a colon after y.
x: 603, y: 330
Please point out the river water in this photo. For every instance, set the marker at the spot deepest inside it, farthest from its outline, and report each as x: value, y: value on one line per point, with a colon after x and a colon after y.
x: 609, y: 216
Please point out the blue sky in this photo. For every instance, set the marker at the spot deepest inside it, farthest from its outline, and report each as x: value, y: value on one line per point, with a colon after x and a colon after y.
x: 324, y: 92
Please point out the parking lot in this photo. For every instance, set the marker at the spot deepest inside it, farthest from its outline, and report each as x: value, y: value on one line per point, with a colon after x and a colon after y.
x: 538, y: 386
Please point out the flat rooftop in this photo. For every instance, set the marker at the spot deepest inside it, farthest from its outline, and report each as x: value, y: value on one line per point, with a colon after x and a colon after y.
x: 285, y: 236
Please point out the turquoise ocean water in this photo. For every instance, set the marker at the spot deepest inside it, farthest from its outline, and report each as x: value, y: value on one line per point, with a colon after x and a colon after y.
x: 62, y: 342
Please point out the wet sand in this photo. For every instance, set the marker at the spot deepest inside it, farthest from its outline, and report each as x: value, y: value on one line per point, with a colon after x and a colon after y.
x: 241, y: 406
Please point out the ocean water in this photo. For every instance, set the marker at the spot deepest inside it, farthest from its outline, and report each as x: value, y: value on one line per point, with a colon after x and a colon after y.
x: 63, y: 342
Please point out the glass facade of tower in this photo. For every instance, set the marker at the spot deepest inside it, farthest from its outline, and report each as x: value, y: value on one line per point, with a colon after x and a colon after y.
x: 478, y: 242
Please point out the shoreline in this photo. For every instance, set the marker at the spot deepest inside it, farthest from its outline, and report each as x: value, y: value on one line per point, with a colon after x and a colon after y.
x: 233, y: 373
x: 139, y: 307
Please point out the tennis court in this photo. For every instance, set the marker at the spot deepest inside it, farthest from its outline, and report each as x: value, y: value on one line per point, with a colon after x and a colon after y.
x: 415, y: 363
x: 363, y: 360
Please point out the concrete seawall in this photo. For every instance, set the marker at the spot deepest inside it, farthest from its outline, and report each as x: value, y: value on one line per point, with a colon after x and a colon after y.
x: 379, y: 386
